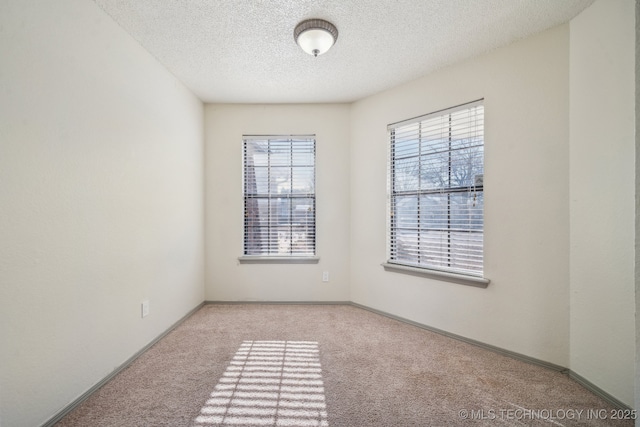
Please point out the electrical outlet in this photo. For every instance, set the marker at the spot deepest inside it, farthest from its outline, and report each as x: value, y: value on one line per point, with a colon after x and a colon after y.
x: 145, y: 308
x: 325, y: 276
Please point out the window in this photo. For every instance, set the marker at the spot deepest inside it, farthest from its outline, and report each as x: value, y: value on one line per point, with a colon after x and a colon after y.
x: 279, y: 196
x: 436, y: 170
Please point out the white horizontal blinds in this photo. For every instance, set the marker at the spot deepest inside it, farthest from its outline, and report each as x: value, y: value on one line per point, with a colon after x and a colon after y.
x: 436, y: 183
x: 279, y: 196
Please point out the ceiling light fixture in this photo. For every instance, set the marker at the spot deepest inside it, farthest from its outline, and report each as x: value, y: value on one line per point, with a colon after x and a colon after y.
x: 315, y: 36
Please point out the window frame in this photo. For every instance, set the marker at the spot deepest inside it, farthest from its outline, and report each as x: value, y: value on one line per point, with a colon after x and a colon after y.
x: 270, y: 256
x: 470, y: 274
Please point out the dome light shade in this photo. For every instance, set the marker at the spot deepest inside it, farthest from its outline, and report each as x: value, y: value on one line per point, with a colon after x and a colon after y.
x: 315, y: 36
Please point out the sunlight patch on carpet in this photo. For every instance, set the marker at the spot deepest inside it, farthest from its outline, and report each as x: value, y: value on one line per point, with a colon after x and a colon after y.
x: 269, y: 383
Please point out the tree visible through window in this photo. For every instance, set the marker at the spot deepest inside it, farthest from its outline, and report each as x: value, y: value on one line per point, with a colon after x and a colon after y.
x: 436, y: 188
x: 279, y: 196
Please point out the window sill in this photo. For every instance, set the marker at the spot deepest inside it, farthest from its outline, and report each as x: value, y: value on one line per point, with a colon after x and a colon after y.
x: 248, y: 259
x: 461, y: 279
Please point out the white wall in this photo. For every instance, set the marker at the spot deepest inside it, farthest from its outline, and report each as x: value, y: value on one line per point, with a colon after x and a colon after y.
x: 602, y: 149
x: 101, y: 201
x: 526, y: 307
x: 226, y: 279
x: 101, y: 183
x: 637, y: 208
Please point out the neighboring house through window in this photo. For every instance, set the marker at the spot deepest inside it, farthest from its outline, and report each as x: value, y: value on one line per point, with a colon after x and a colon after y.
x: 436, y: 172
x: 279, y: 196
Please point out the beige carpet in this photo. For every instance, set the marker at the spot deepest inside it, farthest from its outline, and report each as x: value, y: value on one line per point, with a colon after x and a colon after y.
x: 330, y: 365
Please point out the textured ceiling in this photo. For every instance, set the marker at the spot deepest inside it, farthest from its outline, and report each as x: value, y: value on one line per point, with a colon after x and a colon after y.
x: 242, y: 51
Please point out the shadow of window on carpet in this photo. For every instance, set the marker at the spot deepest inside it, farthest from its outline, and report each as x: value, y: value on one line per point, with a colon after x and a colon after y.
x: 269, y: 383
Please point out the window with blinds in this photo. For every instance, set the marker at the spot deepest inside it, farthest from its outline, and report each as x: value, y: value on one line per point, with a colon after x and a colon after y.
x: 436, y: 169
x: 279, y: 196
